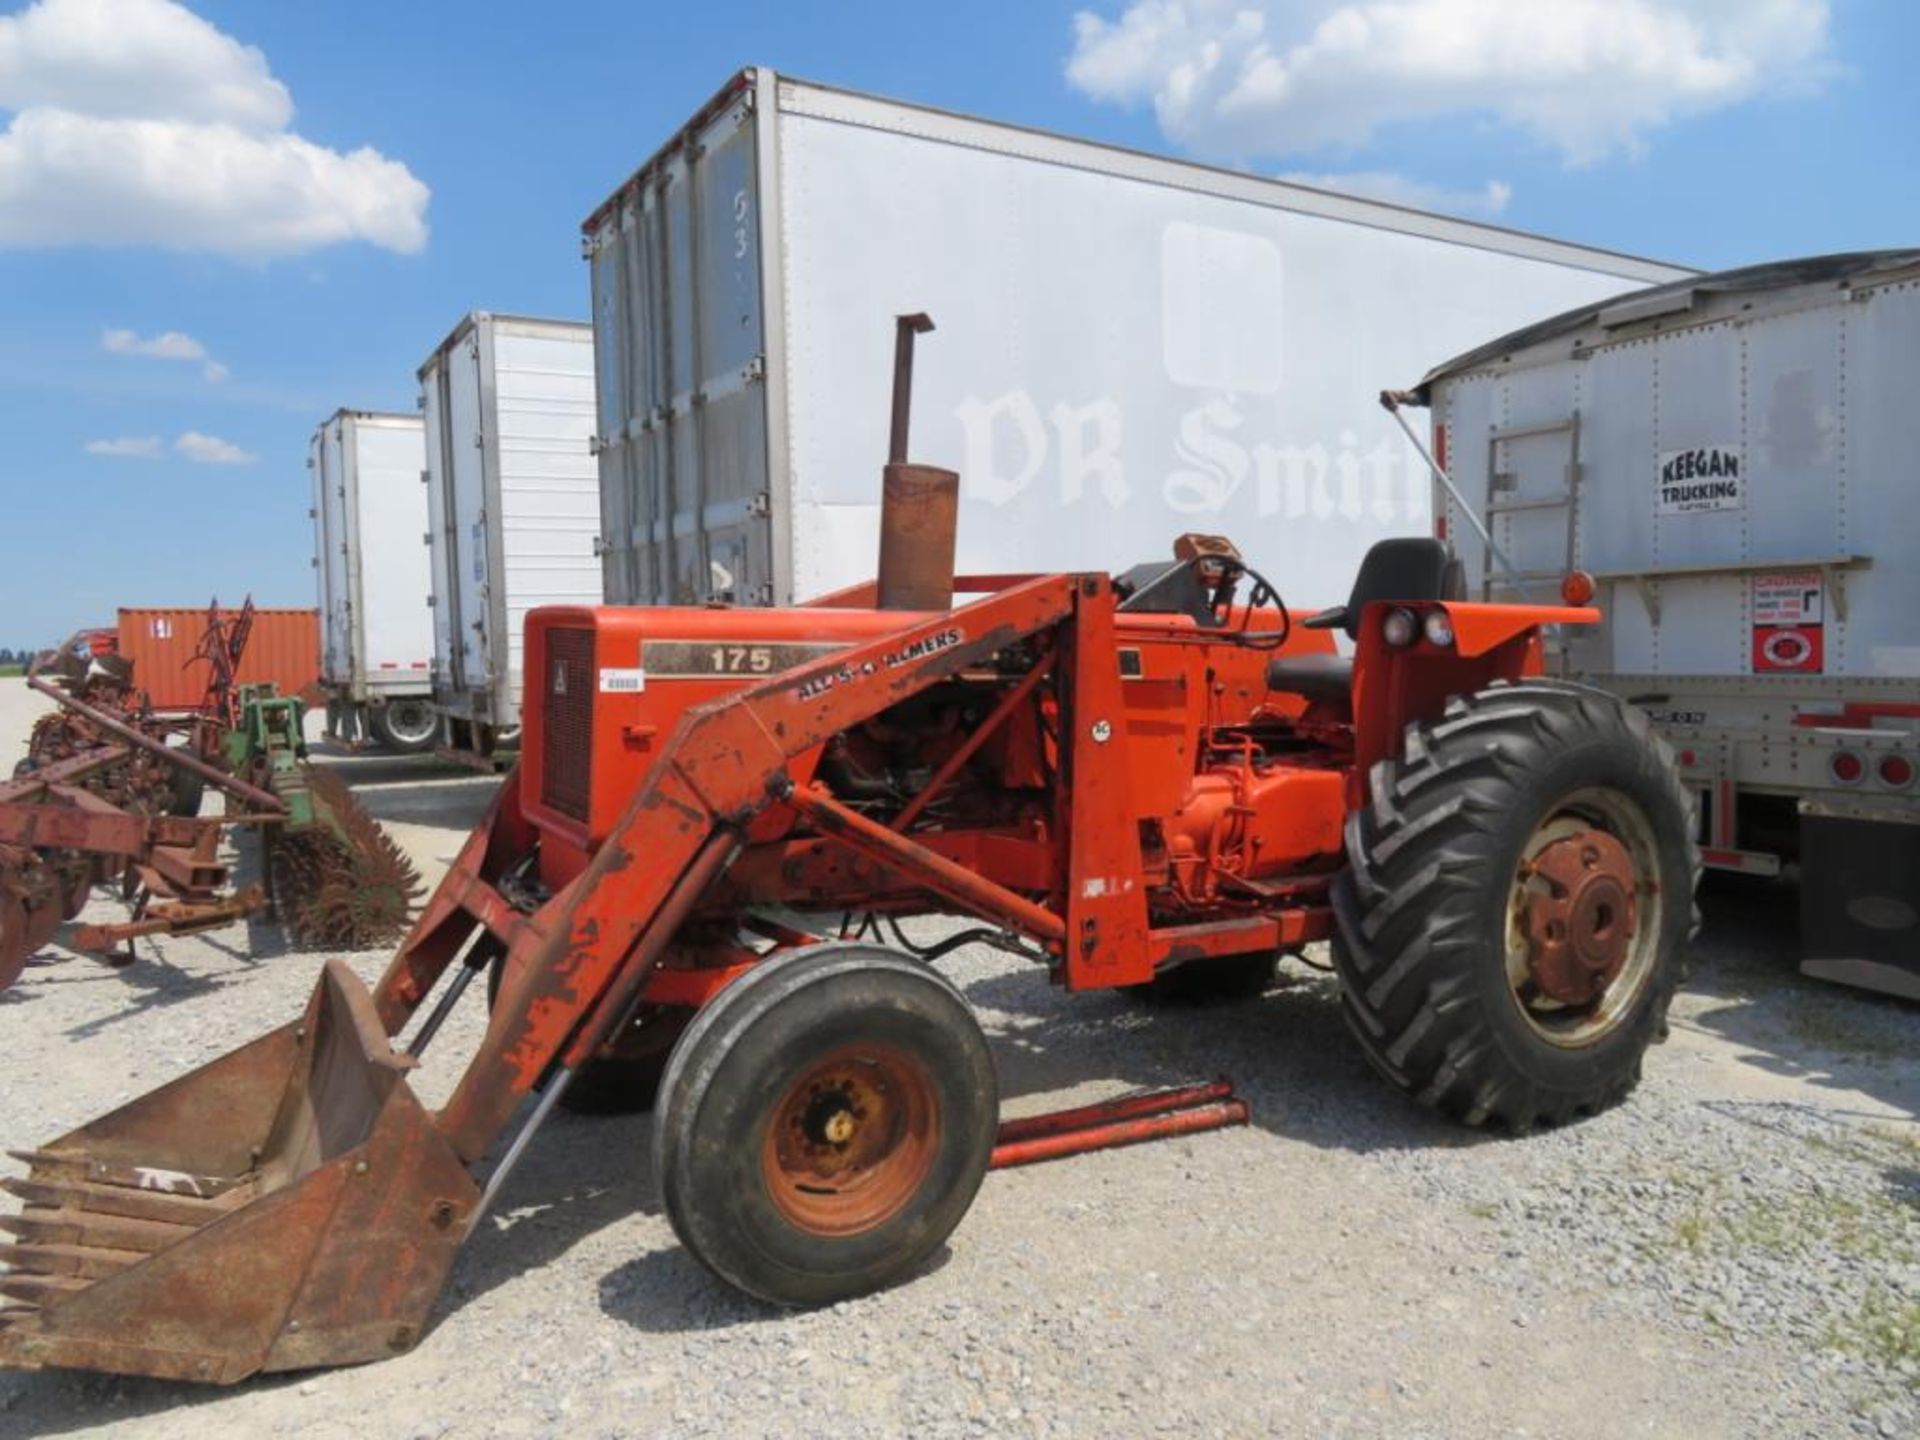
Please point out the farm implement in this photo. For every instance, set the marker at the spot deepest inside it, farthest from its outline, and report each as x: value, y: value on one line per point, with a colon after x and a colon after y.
x: 1126, y: 780
x: 110, y: 793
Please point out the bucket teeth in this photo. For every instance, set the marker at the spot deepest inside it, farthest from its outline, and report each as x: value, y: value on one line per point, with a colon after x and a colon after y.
x: 88, y: 1262
x: 53, y: 1165
x: 36, y: 1288
x: 103, y: 1232
x: 121, y: 1200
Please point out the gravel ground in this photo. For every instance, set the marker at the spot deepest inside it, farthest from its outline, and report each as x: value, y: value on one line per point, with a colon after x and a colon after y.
x: 1735, y: 1252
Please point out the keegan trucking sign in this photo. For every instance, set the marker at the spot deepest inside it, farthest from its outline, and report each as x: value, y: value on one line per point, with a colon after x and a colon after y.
x: 1707, y: 477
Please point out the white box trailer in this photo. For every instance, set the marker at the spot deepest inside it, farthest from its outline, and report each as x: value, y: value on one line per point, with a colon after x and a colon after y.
x: 513, y: 505
x: 376, y: 637
x: 1731, y: 457
x: 1129, y: 347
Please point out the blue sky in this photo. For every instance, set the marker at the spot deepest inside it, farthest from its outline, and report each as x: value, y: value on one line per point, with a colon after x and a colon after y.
x: 193, y: 330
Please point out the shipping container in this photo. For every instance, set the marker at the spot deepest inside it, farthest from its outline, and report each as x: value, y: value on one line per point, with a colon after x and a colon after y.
x: 163, y: 642
x: 1128, y: 347
x: 513, y: 504
x: 376, y: 631
x: 1731, y: 458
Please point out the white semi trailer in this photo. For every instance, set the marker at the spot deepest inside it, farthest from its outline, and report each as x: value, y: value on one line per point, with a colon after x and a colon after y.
x: 1128, y: 347
x: 1731, y: 458
x: 513, y: 506
x: 376, y: 637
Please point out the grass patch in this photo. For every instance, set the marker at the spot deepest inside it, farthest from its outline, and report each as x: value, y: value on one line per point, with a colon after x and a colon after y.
x: 12, y: 670
x: 1481, y: 1210
x: 1885, y: 1330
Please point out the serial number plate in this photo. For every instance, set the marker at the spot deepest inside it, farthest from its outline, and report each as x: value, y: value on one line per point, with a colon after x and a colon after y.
x: 705, y: 659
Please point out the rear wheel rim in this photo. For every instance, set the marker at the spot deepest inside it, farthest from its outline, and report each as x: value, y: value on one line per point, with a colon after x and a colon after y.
x: 410, y: 722
x: 852, y: 1140
x: 1584, y: 918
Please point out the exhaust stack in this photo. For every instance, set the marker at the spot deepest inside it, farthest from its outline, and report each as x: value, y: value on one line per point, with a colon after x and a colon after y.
x: 919, y: 504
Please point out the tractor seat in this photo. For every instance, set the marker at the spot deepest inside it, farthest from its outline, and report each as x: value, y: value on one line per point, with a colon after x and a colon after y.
x: 1313, y: 677
x: 1411, y: 568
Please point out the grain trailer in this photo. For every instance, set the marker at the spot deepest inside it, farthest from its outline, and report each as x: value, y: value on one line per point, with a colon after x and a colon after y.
x: 1730, y: 457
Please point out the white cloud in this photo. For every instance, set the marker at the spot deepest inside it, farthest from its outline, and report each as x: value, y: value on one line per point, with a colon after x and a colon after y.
x: 1397, y: 189
x: 212, y: 450
x: 136, y: 122
x: 168, y: 345
x: 1236, y: 79
x: 141, y: 447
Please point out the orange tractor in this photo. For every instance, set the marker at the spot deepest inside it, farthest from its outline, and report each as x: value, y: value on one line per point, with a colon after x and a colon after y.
x: 1138, y: 781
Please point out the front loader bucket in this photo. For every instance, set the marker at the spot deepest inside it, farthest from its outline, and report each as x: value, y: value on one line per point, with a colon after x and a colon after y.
x: 289, y: 1205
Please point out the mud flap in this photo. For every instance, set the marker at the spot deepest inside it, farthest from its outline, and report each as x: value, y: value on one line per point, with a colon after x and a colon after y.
x: 289, y: 1205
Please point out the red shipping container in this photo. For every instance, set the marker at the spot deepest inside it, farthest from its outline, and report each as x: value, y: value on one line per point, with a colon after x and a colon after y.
x: 163, y: 644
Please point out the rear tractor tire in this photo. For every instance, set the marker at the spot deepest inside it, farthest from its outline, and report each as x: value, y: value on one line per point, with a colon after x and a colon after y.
x: 405, y: 727
x: 1518, y: 900
x: 824, y: 1123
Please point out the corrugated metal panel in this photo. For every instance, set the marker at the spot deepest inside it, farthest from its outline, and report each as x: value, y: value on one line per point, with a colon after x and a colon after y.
x: 680, y: 354
x: 283, y: 647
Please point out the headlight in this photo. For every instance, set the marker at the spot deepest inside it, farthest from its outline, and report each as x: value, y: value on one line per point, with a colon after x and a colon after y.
x: 1399, y: 629
x: 1439, y: 628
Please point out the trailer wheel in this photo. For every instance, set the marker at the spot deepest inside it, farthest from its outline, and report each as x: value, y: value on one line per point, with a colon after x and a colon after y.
x: 405, y: 727
x: 824, y: 1123
x: 1517, y: 904
x: 1223, y: 981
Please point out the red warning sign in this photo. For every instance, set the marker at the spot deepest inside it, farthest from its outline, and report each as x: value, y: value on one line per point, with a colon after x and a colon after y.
x: 1793, y: 648
x: 1789, y: 623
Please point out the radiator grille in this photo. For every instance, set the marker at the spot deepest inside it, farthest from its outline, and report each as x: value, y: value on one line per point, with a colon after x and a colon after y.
x: 566, y: 778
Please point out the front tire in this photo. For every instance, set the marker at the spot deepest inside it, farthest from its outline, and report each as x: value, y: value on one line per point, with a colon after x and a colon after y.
x: 825, y: 1123
x: 1517, y: 904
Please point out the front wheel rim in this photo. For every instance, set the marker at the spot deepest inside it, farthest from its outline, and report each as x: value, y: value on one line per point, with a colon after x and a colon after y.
x: 1584, y: 918
x: 851, y: 1141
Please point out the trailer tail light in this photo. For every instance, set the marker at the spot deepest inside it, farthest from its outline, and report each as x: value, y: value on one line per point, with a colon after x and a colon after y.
x: 1896, y: 771
x: 1577, y: 588
x: 1846, y: 767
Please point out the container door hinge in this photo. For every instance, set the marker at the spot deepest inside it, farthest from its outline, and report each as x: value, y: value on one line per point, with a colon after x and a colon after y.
x: 602, y: 546
x: 760, y: 506
x: 754, y: 369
